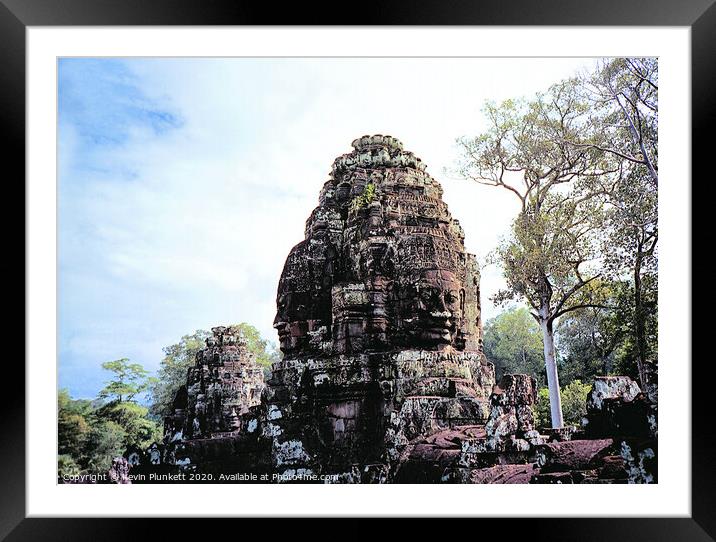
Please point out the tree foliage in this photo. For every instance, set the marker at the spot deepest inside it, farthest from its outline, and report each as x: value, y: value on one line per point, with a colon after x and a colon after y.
x: 265, y: 351
x: 548, y: 258
x: 105, y: 441
x: 130, y: 379
x: 600, y: 341
x: 92, y: 433
x: 72, y: 424
x: 364, y: 199
x: 574, y: 404
x: 582, y: 159
x: 513, y: 342
x: 624, y: 95
x: 172, y: 371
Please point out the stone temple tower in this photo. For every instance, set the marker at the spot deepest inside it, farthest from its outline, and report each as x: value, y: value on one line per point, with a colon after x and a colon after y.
x: 383, y: 378
x: 378, y: 317
x: 224, y: 383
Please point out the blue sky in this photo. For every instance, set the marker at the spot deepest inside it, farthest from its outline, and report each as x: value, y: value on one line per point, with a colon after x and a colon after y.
x: 183, y: 183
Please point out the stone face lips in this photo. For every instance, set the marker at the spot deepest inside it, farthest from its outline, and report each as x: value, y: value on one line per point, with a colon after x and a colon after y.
x: 378, y: 317
x: 223, y: 384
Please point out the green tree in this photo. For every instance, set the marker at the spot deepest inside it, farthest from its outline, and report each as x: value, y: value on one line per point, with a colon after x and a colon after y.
x: 513, y: 342
x: 179, y: 357
x: 138, y: 429
x: 589, y: 341
x: 120, y: 410
x: 623, y: 96
x: 549, y: 258
x: 91, y: 433
x: 67, y: 466
x: 130, y: 379
x: 626, y: 358
x: 364, y: 199
x: 574, y: 397
x: 541, y: 409
x: 105, y: 441
x: 72, y: 425
x: 634, y: 236
x: 266, y: 352
x: 574, y: 404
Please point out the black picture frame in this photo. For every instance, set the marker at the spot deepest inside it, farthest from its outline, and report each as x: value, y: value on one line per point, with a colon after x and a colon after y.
x: 17, y: 15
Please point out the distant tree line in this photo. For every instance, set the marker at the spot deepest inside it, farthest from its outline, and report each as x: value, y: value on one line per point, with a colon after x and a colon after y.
x: 129, y: 410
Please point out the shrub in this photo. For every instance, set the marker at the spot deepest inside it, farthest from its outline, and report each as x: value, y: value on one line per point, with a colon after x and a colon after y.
x: 574, y: 404
x: 365, y: 199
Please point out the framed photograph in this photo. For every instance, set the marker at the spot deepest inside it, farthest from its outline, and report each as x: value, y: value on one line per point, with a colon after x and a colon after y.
x: 420, y: 265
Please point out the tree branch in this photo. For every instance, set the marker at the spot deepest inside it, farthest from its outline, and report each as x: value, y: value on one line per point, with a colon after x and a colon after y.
x: 570, y: 292
x: 580, y: 306
x: 605, y: 149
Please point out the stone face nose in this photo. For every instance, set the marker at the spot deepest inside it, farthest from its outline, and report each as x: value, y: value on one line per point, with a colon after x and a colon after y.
x: 440, y: 304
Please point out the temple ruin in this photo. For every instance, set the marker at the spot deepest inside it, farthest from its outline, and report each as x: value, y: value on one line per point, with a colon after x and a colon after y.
x: 223, y: 384
x: 383, y: 376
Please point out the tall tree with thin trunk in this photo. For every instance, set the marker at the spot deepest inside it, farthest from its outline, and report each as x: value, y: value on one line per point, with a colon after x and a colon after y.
x: 548, y: 259
x: 623, y: 98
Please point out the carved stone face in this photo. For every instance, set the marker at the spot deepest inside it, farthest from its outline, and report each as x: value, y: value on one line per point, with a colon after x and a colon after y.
x: 291, y: 320
x: 430, y: 308
x: 394, y: 275
x: 304, y: 296
x: 282, y: 327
